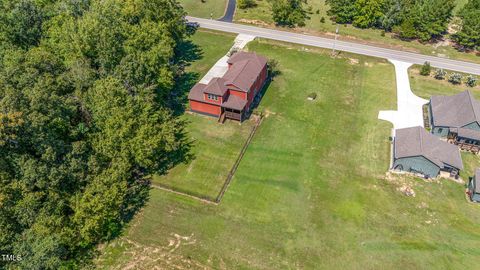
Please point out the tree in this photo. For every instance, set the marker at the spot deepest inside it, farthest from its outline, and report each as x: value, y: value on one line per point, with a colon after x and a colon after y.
x: 243, y: 4
x: 342, y: 11
x: 289, y: 12
x: 368, y: 13
x: 426, y: 69
x: 85, y: 118
x: 469, y: 34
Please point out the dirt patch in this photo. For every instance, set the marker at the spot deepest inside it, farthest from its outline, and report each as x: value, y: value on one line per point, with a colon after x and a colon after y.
x: 255, y: 22
x: 353, y: 61
x: 141, y: 256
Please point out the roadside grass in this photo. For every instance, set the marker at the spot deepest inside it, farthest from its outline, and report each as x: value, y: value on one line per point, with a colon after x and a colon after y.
x: 212, y: 49
x: 262, y: 12
x: 426, y: 86
x: 311, y: 190
x: 204, y: 9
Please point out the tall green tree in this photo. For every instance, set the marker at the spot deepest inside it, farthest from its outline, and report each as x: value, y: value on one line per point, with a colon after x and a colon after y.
x: 85, y: 118
x: 368, y: 13
x: 469, y: 34
x: 289, y: 12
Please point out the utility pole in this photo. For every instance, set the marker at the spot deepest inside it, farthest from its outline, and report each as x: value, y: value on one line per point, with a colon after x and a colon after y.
x: 335, y: 41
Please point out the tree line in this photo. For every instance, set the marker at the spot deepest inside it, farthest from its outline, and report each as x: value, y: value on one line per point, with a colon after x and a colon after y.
x: 411, y: 19
x: 86, y: 94
x: 424, y: 20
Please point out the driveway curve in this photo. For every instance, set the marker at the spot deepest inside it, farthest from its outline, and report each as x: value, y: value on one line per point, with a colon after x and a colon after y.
x: 229, y: 11
x: 409, y: 111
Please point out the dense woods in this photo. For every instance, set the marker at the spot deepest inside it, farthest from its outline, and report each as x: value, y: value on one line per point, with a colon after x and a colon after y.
x: 86, y: 96
x: 417, y: 19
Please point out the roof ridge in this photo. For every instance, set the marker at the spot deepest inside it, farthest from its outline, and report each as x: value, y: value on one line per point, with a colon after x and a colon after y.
x: 419, y: 129
x: 472, y: 99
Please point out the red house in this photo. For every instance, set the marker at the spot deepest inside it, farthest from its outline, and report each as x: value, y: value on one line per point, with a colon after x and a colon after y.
x: 232, y: 95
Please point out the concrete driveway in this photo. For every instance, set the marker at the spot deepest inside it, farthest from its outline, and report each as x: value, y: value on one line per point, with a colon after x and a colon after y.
x: 409, y: 111
x: 221, y: 67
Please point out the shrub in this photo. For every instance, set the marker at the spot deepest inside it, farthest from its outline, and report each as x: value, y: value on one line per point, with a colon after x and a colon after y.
x: 243, y: 4
x: 455, y: 78
x: 426, y: 69
x: 322, y: 20
x: 440, y: 74
x: 318, y: 11
x: 273, y: 68
x: 471, y: 81
x: 382, y: 33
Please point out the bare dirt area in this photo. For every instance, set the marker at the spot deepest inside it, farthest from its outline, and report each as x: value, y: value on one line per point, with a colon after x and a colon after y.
x: 143, y: 257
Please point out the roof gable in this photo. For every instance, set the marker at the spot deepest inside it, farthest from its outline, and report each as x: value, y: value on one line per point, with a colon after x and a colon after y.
x: 417, y: 141
x: 455, y: 111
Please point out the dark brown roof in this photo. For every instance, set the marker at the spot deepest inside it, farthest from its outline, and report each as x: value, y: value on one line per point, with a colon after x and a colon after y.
x: 455, y: 111
x: 245, y: 69
x: 416, y: 141
x: 234, y: 102
x: 196, y: 93
x: 216, y: 86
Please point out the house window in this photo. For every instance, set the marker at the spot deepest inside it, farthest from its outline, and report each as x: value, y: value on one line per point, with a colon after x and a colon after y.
x: 212, y: 97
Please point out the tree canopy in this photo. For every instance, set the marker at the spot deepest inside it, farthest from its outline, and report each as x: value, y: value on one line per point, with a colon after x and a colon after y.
x: 410, y: 19
x: 469, y: 34
x: 85, y: 117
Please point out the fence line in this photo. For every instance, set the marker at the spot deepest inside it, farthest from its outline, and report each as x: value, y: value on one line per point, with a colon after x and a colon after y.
x: 239, y: 158
x: 207, y: 199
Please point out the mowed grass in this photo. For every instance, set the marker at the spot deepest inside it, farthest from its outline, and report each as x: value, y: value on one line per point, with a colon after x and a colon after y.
x: 215, y: 147
x: 262, y: 12
x: 204, y: 9
x: 311, y: 192
x: 426, y: 86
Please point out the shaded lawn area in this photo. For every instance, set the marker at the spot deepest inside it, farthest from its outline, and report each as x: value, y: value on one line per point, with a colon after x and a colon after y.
x: 215, y: 148
x: 263, y: 13
x: 310, y: 192
x: 204, y: 9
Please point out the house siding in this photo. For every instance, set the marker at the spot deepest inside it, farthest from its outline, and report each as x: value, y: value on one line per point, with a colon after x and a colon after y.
x: 206, y: 108
x: 440, y: 131
x: 473, y: 126
x: 417, y: 164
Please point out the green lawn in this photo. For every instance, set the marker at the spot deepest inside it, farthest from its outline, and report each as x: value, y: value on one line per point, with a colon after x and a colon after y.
x: 311, y: 191
x: 347, y: 32
x: 204, y: 9
x: 426, y: 86
x: 215, y: 148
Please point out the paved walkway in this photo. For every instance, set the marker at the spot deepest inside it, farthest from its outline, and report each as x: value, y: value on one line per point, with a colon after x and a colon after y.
x: 221, y: 67
x: 409, y: 111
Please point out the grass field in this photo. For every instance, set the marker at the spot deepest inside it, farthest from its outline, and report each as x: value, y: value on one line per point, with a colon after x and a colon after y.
x: 206, y: 9
x: 215, y: 148
x: 313, y: 26
x: 426, y: 86
x: 311, y: 191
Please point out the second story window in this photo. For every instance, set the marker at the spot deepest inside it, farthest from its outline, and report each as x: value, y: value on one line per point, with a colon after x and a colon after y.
x: 212, y: 97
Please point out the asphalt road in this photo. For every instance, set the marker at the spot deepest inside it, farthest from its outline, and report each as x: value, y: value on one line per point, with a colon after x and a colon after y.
x: 229, y: 12
x: 314, y: 41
